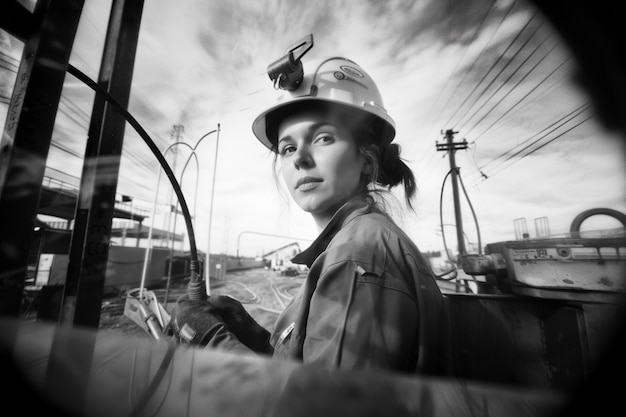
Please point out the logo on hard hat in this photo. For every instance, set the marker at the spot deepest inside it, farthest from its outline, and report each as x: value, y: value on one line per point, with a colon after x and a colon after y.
x: 341, y: 76
x: 352, y: 71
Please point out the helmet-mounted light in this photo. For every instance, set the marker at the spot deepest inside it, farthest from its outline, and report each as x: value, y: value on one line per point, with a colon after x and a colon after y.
x: 286, y: 72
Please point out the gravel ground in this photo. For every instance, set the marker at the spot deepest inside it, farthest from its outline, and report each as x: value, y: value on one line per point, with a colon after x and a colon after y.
x: 263, y: 293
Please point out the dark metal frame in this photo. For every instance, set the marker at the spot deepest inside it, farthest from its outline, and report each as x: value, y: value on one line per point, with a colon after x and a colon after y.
x: 48, y: 34
x: 89, y: 249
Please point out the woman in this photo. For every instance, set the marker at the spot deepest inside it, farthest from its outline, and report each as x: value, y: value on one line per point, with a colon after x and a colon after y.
x: 370, y: 299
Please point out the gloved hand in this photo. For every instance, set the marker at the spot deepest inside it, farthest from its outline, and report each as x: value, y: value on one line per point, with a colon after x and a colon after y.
x: 195, y: 322
x: 241, y: 323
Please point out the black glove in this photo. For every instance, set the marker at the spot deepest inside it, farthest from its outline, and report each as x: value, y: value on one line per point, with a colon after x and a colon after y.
x: 195, y: 322
x: 241, y: 323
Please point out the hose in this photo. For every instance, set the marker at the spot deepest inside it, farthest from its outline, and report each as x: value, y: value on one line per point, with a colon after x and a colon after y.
x: 195, y: 290
x: 578, y: 220
x: 443, y: 236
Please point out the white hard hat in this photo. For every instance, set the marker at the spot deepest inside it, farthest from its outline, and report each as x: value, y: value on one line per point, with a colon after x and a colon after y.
x: 332, y: 81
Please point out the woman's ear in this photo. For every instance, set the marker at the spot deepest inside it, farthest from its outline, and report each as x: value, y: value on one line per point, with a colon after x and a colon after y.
x: 367, y: 167
x: 369, y: 163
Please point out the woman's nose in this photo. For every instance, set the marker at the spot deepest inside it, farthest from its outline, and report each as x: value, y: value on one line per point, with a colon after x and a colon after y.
x: 303, y: 157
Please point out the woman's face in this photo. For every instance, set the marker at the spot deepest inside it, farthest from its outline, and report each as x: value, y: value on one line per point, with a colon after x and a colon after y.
x: 320, y: 163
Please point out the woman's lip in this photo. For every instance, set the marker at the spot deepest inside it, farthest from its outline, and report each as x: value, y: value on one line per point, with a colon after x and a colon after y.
x: 307, y: 180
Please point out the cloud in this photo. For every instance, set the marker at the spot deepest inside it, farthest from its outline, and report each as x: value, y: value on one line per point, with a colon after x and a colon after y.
x: 202, y: 63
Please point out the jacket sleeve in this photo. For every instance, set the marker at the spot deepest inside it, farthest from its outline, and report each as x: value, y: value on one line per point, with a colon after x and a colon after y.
x: 224, y: 340
x: 361, y: 317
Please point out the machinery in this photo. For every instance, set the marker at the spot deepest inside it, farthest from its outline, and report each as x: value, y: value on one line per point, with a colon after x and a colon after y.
x: 589, y: 268
x: 552, y: 303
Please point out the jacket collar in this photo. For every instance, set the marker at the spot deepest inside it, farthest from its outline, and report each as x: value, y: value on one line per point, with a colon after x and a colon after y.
x: 344, y: 214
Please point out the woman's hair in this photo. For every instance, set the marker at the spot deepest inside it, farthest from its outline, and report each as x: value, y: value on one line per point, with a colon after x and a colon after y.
x: 388, y: 169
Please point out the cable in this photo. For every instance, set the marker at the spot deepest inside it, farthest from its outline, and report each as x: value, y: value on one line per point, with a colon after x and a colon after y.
x: 494, y: 65
x: 553, y: 139
x: 195, y: 291
x: 156, y: 380
x: 502, y: 55
x: 476, y: 61
x: 523, y: 98
x: 509, y: 153
x: 484, y: 90
x: 443, y: 234
x: 56, y: 144
x: 508, y: 79
x: 76, y: 110
x: 480, y: 245
x: 461, y: 59
x: 571, y: 116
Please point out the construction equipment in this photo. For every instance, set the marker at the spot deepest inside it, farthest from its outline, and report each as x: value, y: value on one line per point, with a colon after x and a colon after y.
x: 142, y: 307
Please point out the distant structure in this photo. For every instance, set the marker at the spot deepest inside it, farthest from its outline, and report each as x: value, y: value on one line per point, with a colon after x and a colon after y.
x: 280, y: 259
x: 542, y: 228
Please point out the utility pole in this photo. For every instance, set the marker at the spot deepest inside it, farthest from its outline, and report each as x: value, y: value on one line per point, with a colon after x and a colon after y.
x: 450, y: 146
x: 176, y: 136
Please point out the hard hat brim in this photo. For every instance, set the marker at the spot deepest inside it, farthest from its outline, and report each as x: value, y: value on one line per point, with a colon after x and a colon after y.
x: 265, y: 125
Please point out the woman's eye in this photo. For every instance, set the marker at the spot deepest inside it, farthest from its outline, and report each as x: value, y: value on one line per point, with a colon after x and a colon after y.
x: 287, y: 149
x: 325, y: 138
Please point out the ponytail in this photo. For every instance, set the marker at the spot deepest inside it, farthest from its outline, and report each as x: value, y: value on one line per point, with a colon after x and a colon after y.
x: 388, y: 169
x: 393, y: 171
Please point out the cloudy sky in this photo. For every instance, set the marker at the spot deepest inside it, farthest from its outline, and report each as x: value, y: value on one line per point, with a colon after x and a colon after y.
x: 495, y: 71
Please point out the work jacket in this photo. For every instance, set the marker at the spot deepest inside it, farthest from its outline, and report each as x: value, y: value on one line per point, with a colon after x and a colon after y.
x: 370, y: 299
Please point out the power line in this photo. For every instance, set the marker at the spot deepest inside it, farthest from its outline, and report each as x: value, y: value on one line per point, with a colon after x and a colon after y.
x: 84, y: 118
x: 511, y: 153
x: 74, y: 112
x: 424, y: 167
x: 7, y: 68
x: 522, y: 99
x: 493, y: 66
x: 553, y: 126
x: 506, y: 65
x: 9, y: 59
x: 495, y: 63
x: 67, y: 114
x: 65, y: 149
x: 461, y: 59
x: 512, y: 88
x: 543, y: 145
x: 556, y: 137
x: 505, y: 82
x: 474, y: 62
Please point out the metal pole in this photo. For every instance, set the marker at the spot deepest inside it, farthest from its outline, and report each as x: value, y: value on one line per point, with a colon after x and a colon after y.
x: 156, y: 195
x: 196, y: 190
x: 195, y: 196
x: 25, y: 142
x: 89, y: 247
x: 208, y: 250
x: 169, y: 269
x: 450, y: 146
x: 146, y: 259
